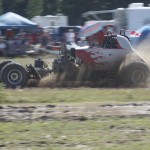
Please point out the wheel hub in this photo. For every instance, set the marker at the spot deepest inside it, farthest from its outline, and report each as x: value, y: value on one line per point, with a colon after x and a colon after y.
x: 137, y: 76
x: 14, y: 76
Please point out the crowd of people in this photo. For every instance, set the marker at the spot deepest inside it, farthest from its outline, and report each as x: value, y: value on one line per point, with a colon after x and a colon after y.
x: 92, y: 40
x: 12, y: 44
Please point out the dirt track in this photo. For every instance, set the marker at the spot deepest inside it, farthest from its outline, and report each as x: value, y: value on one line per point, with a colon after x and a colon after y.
x: 75, y: 112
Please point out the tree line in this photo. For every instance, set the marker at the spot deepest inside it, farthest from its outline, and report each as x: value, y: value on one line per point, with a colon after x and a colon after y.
x: 72, y: 8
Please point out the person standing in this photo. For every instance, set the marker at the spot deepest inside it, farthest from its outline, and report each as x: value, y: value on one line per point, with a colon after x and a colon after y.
x: 70, y: 36
x: 2, y: 46
x: 45, y: 39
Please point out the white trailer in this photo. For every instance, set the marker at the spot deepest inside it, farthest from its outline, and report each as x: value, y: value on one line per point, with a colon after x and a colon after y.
x: 49, y: 20
x: 131, y: 18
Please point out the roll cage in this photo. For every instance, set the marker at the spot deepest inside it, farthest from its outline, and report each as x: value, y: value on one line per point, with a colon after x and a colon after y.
x: 110, y: 40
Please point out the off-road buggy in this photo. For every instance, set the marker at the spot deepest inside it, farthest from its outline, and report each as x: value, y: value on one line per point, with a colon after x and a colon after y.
x: 115, y: 59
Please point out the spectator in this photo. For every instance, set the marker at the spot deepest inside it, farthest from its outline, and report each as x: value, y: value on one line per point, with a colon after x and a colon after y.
x: 45, y: 39
x: 2, y: 46
x: 70, y: 36
x: 11, y: 48
x: 9, y: 33
x: 23, y: 40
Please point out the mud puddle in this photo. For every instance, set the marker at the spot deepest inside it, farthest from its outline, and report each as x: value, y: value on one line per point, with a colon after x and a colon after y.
x: 80, y: 112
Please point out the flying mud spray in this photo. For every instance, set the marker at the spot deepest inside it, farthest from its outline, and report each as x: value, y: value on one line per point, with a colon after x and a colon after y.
x: 144, y: 50
x: 73, y: 77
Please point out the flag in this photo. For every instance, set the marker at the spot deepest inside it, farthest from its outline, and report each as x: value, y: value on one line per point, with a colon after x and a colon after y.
x: 134, y: 33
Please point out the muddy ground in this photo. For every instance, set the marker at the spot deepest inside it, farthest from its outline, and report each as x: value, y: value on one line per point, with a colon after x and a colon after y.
x: 77, y: 112
x: 80, y: 112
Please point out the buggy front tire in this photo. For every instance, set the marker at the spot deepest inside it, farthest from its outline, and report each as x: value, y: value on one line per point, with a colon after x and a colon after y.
x: 14, y: 75
x: 2, y: 64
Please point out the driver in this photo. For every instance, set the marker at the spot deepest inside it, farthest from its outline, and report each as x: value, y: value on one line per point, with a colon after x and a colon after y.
x: 112, y: 43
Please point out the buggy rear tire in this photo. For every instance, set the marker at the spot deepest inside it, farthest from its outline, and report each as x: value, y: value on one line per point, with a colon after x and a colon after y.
x: 134, y: 74
x: 2, y: 64
x: 14, y: 75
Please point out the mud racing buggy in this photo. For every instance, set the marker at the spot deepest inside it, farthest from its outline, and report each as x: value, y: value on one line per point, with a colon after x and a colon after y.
x: 115, y: 58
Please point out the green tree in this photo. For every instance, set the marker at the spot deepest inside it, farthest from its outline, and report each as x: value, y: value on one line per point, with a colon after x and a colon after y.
x: 51, y: 7
x: 8, y: 6
x: 34, y: 8
x: 72, y: 8
x: 1, y: 7
x: 17, y: 6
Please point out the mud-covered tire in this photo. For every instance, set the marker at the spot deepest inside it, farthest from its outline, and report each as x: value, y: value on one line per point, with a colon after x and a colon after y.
x: 14, y: 75
x: 134, y: 74
x: 2, y: 64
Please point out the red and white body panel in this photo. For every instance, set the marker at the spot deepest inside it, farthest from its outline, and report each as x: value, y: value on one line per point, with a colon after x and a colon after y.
x: 104, y: 59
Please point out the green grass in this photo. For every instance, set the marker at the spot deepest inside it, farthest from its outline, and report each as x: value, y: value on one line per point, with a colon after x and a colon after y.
x: 99, y: 134
x: 73, y: 95
x: 68, y: 95
x: 29, y: 60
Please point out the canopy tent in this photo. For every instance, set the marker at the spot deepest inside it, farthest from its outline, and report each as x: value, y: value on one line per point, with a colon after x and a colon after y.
x: 12, y: 21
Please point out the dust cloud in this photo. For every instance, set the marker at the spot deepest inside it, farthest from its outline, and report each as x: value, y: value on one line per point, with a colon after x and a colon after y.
x: 144, y: 51
x: 74, y: 77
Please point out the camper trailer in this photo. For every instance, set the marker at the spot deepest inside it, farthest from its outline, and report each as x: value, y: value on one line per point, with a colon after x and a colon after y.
x: 131, y: 18
x: 50, y: 20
